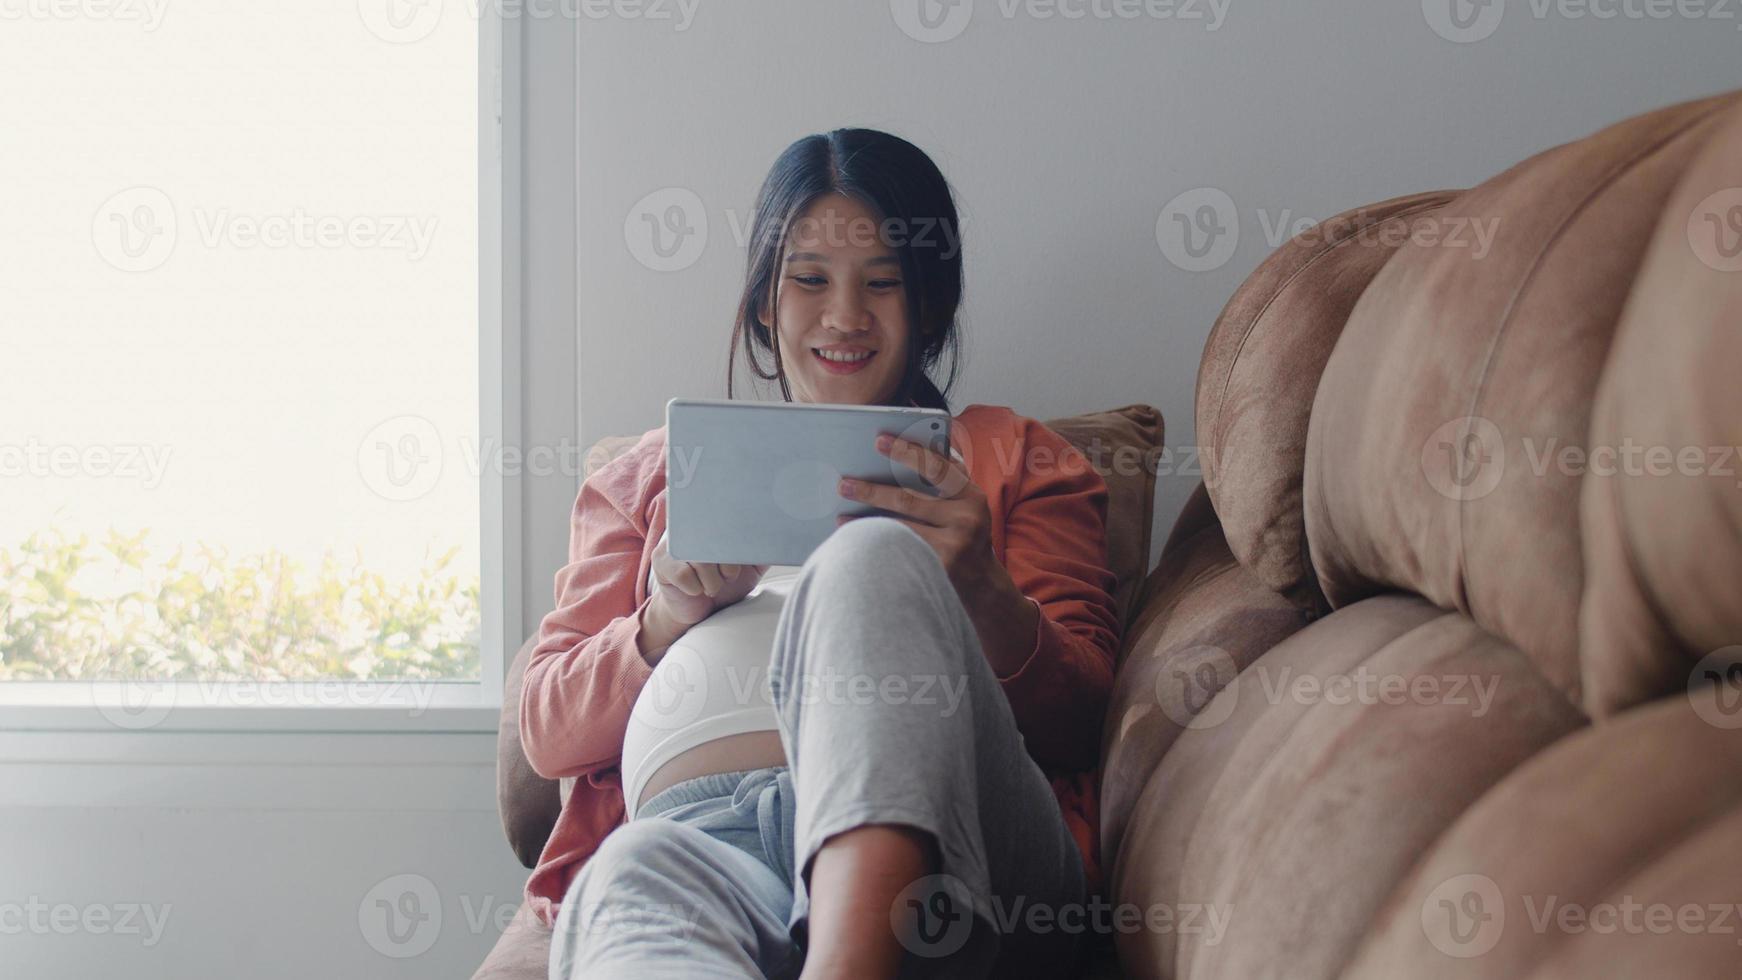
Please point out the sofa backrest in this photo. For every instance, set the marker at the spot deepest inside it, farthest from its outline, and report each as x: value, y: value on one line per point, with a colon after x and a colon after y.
x: 1436, y: 394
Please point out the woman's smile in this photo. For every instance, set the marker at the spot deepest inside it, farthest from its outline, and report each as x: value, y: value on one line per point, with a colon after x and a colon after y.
x: 843, y: 359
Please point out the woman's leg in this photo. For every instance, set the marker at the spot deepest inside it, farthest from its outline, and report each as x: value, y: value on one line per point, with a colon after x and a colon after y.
x: 892, y: 717
x: 664, y: 900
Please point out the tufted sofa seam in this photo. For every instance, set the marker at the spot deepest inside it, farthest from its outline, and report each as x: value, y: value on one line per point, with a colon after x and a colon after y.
x: 1651, y: 856
x: 1252, y: 786
x: 1619, y: 171
x: 1252, y: 324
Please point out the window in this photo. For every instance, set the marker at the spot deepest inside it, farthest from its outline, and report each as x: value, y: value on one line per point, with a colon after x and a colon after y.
x: 251, y: 389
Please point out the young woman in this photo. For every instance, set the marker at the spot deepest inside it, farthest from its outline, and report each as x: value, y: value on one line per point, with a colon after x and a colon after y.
x: 908, y: 794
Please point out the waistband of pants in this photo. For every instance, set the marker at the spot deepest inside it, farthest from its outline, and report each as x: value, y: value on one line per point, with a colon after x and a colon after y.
x: 701, y: 788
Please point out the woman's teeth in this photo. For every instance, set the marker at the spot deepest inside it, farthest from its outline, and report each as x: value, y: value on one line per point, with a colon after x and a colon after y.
x: 829, y: 355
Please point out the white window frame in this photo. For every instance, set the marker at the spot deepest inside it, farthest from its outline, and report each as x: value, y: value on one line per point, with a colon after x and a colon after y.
x: 120, y: 712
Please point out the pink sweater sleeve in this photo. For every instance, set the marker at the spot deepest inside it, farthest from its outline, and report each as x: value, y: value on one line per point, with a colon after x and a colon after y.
x: 586, y: 670
x: 1056, y: 553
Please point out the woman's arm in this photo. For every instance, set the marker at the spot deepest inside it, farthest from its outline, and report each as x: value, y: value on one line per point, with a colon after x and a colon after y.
x: 588, y: 667
x: 1044, y: 610
x: 1056, y: 554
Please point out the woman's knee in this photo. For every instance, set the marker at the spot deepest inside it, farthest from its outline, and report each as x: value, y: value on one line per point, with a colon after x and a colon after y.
x: 869, y: 546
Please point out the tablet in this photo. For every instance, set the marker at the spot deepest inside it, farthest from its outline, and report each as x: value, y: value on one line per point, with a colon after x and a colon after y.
x: 754, y: 483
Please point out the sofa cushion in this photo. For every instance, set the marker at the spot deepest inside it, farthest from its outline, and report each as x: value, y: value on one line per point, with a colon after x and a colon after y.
x: 1642, y: 811
x: 1203, y: 618
x: 1124, y: 446
x: 527, y: 802
x: 1313, y: 783
x: 1464, y: 369
x: 1261, y: 368
x: 1663, y: 554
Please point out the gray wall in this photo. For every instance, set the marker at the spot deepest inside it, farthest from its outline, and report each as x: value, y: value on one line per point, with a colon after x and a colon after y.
x: 1065, y: 138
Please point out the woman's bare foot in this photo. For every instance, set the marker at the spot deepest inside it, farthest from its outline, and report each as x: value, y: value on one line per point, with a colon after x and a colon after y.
x: 853, y: 881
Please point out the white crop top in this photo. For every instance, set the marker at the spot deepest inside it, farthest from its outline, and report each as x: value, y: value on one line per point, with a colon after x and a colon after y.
x: 711, y: 683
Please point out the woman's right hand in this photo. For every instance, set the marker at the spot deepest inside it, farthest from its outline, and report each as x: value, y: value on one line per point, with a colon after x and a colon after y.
x: 691, y: 591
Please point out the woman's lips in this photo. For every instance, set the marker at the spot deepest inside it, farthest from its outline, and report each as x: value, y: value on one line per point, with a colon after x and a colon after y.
x: 842, y: 367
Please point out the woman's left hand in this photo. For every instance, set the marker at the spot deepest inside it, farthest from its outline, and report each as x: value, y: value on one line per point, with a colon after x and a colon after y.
x: 957, y: 523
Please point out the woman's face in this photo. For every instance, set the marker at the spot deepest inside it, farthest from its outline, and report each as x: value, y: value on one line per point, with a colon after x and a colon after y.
x: 839, y: 291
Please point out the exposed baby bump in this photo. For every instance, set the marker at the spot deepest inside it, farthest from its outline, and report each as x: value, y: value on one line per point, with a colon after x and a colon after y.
x: 707, y: 707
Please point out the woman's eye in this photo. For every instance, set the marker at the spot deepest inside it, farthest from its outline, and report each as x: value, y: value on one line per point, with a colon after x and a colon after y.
x: 885, y: 283
x: 809, y: 280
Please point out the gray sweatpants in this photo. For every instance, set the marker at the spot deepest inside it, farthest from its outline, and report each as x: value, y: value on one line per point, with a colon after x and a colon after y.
x: 889, y: 713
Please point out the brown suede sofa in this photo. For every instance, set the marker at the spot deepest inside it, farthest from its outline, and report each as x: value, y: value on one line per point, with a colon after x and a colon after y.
x: 1440, y: 673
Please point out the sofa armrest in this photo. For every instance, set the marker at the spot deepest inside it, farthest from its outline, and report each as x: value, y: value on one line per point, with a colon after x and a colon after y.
x: 528, y: 802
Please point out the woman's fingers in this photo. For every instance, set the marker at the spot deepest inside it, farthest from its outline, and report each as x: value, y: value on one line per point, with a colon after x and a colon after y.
x: 709, y: 574
x: 684, y: 578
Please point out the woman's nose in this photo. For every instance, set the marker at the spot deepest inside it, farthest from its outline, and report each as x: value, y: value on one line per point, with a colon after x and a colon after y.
x: 846, y: 312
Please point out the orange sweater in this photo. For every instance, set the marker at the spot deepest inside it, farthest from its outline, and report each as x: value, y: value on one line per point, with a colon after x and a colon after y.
x: 1049, y: 511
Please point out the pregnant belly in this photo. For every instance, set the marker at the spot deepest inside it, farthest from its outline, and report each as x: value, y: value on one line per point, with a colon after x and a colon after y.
x: 749, y: 750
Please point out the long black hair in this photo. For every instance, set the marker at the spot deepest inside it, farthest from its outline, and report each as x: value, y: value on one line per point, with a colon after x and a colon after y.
x: 917, y: 218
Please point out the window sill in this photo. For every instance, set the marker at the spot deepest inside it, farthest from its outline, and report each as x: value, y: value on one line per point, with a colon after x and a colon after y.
x: 379, y: 771
x: 330, y: 707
